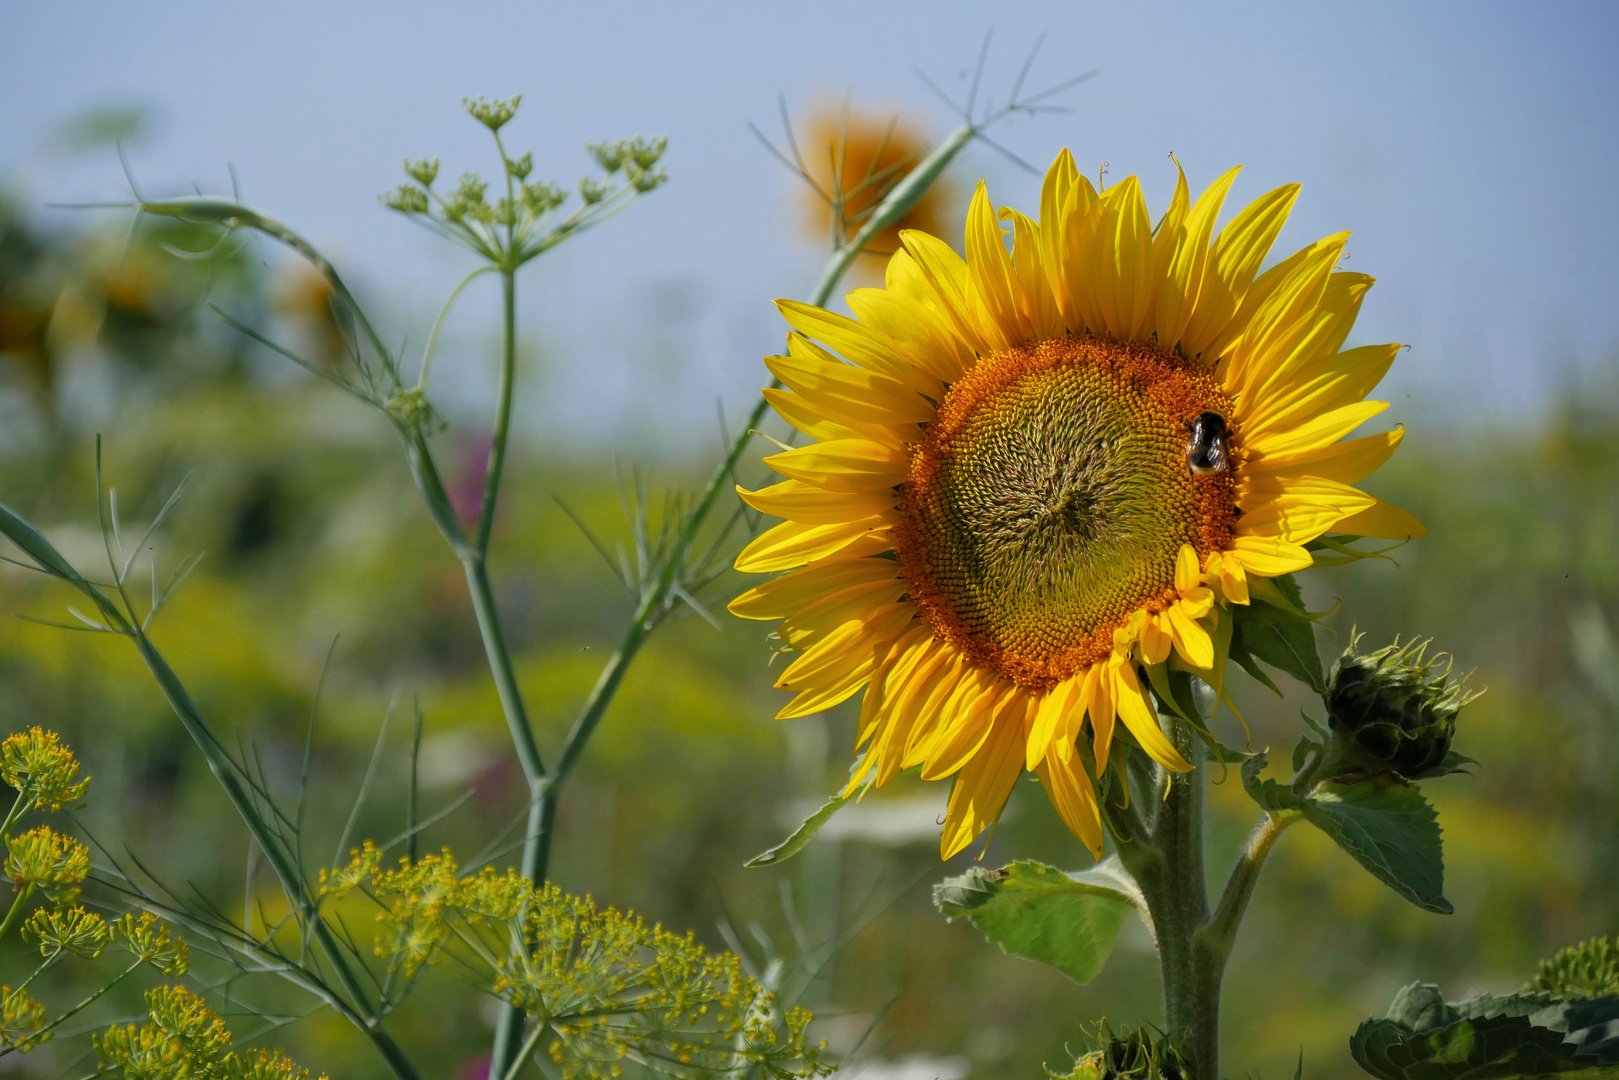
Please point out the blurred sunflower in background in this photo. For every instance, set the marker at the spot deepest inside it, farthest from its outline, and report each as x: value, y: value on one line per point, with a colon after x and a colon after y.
x: 851, y: 161
x: 1039, y: 475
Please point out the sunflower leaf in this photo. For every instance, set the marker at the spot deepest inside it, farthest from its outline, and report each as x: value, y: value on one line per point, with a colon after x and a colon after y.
x: 1281, y: 634
x: 801, y: 836
x: 1388, y: 828
x: 1040, y: 913
x: 1273, y: 797
x: 1488, y: 1038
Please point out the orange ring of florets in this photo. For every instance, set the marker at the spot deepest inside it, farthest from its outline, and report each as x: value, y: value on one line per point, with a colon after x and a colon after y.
x: 1168, y: 389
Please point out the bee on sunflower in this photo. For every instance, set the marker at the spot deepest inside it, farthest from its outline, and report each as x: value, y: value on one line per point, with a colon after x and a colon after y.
x: 1038, y: 476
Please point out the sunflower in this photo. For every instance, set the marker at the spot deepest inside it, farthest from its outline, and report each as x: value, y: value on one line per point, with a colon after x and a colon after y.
x: 1039, y: 475
x: 852, y: 160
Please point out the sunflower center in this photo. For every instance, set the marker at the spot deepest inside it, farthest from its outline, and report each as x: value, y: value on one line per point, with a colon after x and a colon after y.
x: 1049, y: 498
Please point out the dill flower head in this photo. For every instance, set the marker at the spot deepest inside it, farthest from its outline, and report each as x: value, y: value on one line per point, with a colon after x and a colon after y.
x: 74, y: 930
x: 1038, y: 475
x: 21, y: 1020
x: 44, y: 859
x: 42, y: 769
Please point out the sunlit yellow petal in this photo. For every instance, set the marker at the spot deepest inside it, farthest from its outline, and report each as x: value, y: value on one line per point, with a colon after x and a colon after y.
x: 793, y: 543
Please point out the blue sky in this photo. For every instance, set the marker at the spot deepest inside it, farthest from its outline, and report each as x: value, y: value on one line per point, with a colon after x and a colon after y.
x: 1470, y: 146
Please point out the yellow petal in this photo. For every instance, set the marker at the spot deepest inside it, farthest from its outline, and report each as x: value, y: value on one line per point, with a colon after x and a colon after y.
x: 981, y: 790
x: 798, y: 501
x: 1321, y: 431
x: 782, y: 596
x: 1191, y: 640
x: 1070, y: 791
x: 892, y: 669
x: 961, y: 737
x: 851, y: 647
x: 1082, y: 218
x: 1099, y: 707
x: 841, y: 390
x: 1345, y: 462
x: 853, y: 603
x: 1054, y: 707
x: 858, y: 345
x: 1179, y: 294
x: 1187, y: 574
x: 792, y: 543
x: 1267, y: 556
x: 1130, y: 699
x: 1155, y: 640
x: 844, y: 465
x: 1233, y: 262
x: 1037, y: 304
x: 929, y: 705
x: 1383, y: 521
x: 914, y: 331
x: 993, y: 286
x: 1132, y: 253
x: 819, y: 425
x: 1324, y: 385
x: 948, y: 278
x: 1055, y: 195
x: 1281, y: 323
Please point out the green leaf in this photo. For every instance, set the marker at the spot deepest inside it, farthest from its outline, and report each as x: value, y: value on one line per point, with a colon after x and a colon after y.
x: 1489, y: 1038
x: 1239, y: 652
x: 1390, y: 829
x: 801, y: 836
x: 1280, y: 634
x: 1451, y: 763
x: 1040, y: 913
x: 25, y: 536
x: 1273, y: 797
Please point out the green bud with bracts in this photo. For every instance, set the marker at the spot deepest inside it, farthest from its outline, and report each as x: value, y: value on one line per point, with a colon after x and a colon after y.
x: 1393, y: 711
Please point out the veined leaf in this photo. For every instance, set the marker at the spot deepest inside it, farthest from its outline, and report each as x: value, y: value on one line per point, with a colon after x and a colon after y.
x: 1040, y: 913
x: 1390, y: 829
x: 1489, y: 1038
x: 1282, y: 636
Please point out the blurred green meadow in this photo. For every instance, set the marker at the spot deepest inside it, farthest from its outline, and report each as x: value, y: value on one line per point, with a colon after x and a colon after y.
x: 319, y: 557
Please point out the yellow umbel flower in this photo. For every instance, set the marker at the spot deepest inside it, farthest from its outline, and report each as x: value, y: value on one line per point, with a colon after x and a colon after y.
x: 1037, y: 473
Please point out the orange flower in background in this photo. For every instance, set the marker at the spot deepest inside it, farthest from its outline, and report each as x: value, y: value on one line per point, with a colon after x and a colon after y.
x: 854, y: 159
x: 304, y: 298
x: 1041, y: 474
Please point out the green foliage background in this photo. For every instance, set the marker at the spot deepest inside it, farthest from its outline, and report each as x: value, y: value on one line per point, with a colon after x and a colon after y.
x: 313, y: 532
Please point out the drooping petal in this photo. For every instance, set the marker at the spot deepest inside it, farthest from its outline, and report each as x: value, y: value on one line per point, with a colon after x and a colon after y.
x: 985, y: 782
x: 1130, y: 699
x: 1071, y: 793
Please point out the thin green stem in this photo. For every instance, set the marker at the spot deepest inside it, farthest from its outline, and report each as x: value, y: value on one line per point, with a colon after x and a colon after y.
x: 503, y: 410
x: 1220, y: 934
x: 23, y: 803
x: 15, y: 913
x: 501, y: 666
x: 438, y: 324
x: 91, y: 1000
x: 525, y: 1051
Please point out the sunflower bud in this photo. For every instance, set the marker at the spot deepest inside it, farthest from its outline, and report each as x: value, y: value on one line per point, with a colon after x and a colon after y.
x: 1392, y: 711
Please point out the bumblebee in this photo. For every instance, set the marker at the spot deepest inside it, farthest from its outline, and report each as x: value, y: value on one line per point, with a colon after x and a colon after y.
x: 1206, y: 444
